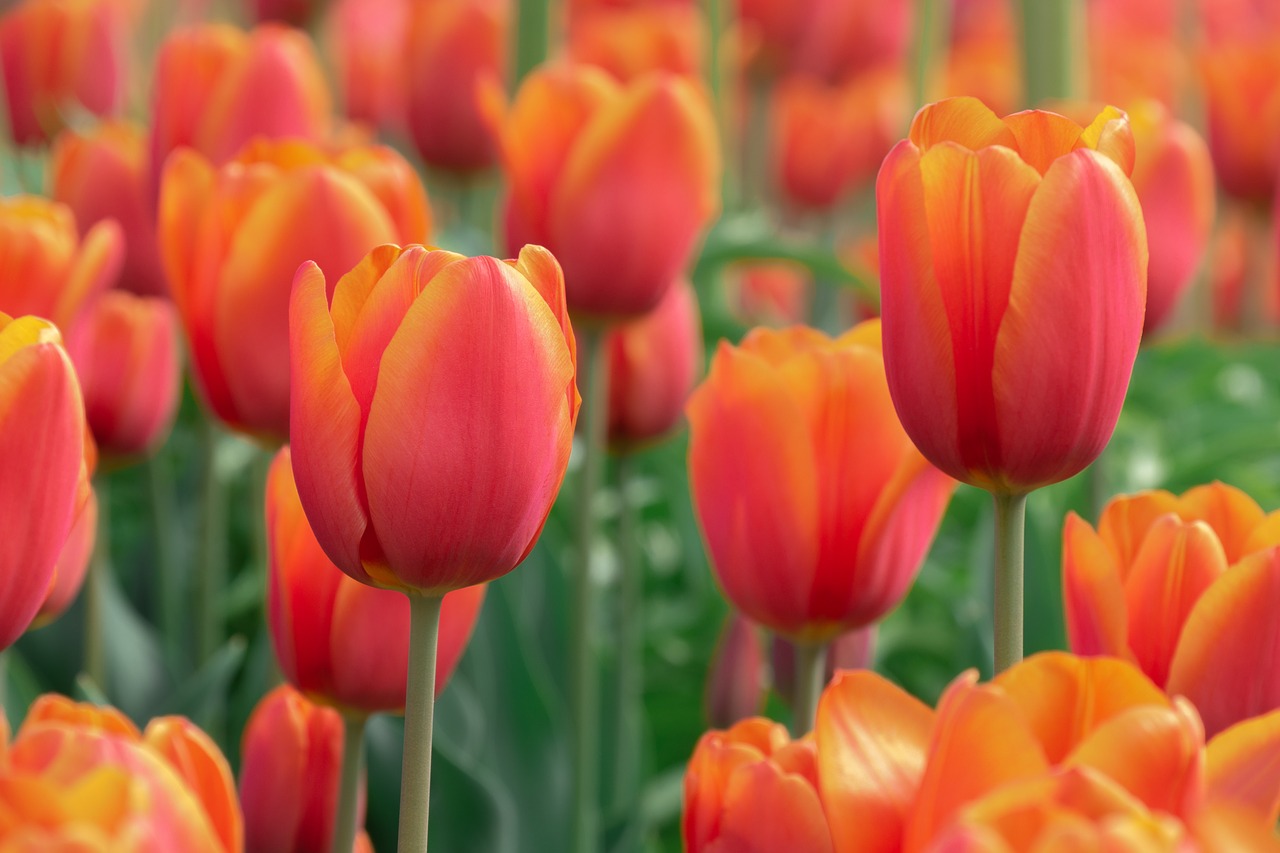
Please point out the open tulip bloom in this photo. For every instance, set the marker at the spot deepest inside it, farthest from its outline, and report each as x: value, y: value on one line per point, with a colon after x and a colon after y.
x: 1013, y: 283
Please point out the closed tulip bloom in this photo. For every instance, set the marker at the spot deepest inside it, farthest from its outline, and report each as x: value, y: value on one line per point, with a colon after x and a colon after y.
x: 323, y: 623
x: 752, y: 789
x: 73, y: 564
x: 842, y: 40
x: 125, y: 349
x: 367, y: 44
x: 454, y: 47
x: 617, y: 181
x: 736, y: 680
x: 816, y: 509
x: 58, y: 57
x: 631, y: 41
x: 1013, y: 264
x: 1135, y: 51
x: 433, y: 412
x: 41, y: 461
x: 45, y: 268
x: 232, y: 238
x: 104, y: 173
x: 653, y: 364
x: 291, y: 757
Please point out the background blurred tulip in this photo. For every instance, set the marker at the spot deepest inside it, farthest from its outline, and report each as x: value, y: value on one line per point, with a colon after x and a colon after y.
x: 770, y: 293
x: 104, y: 173
x: 630, y: 41
x: 41, y: 465
x: 983, y: 59
x: 851, y: 650
x: 125, y: 349
x: 232, y: 238
x: 1135, y: 52
x: 295, y: 12
x: 1013, y: 278
x: 45, y: 269
x: 845, y: 39
x: 617, y: 181
x: 367, y: 40
x: 736, y: 682
x: 73, y: 564
x: 653, y: 364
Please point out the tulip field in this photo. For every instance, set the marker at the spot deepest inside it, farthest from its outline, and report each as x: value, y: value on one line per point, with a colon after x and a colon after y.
x: 621, y: 426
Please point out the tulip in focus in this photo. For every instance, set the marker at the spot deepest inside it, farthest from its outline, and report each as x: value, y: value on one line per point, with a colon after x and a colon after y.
x: 291, y: 758
x: 1183, y: 587
x: 232, y: 238
x: 73, y: 564
x: 42, y: 457
x: 617, y: 181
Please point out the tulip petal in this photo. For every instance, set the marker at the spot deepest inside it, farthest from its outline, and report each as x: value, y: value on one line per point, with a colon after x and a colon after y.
x: 871, y: 738
x: 1071, y: 331
x: 365, y: 618
x: 200, y: 763
x: 965, y: 121
x: 795, y: 821
x: 1233, y: 515
x: 1228, y: 659
x: 1042, y: 137
x: 1092, y: 594
x: 1125, y: 521
x: 1243, y: 765
x: 96, y: 267
x: 1110, y: 134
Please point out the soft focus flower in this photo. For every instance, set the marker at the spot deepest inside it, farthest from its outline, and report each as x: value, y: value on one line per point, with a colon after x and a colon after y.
x: 653, y: 364
x: 291, y: 760
x: 295, y: 12
x: 60, y: 56
x: 324, y: 624
x: 1013, y: 263
x: 125, y: 349
x: 367, y: 44
x: 73, y: 564
x: 42, y: 453
x: 454, y: 48
x: 816, y: 509
x: 846, y: 39
x: 629, y: 41
x: 433, y: 407
x: 104, y: 173
x: 752, y: 789
x: 984, y: 57
x: 81, y: 777
x: 617, y: 181
x: 1134, y: 51
x: 735, y: 682
x: 232, y: 238
x: 1153, y: 585
x: 769, y: 293
x: 45, y: 268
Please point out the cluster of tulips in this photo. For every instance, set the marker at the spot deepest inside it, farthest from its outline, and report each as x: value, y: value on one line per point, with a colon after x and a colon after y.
x: 419, y: 405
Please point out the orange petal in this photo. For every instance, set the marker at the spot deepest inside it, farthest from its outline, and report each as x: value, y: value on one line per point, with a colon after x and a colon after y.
x: 1111, y: 135
x: 52, y: 708
x: 1243, y: 766
x: 965, y: 121
x: 795, y: 819
x: 1126, y: 519
x: 1041, y: 137
x: 200, y: 763
x: 1233, y: 515
x: 1092, y: 594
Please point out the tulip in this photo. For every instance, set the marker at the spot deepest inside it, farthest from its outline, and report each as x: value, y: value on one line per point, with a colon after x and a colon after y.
x: 1135, y: 52
x: 1179, y: 586
x: 126, y: 354
x: 617, y: 181
x: 454, y: 48
x: 752, y: 790
x: 983, y: 58
x: 231, y: 239
x: 290, y: 761
x: 41, y: 465
x: 735, y: 684
x: 77, y: 774
x: 629, y: 42
x: 653, y: 364
x: 45, y: 268
x: 59, y: 56
x: 104, y: 174
x: 842, y: 40
x: 770, y: 293
x: 295, y: 12
x: 367, y: 44
x: 73, y: 564
x: 853, y: 650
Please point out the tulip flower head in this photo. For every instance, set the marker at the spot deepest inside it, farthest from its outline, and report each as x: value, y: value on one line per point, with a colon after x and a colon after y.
x: 1013, y: 263
x: 73, y: 564
x: 630, y: 41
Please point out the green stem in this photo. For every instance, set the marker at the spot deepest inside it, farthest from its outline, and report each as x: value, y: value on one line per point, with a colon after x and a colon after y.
x: 533, y: 36
x: 95, y: 629
x: 756, y: 175
x: 824, y: 313
x: 170, y: 578
x: 630, y: 650
x: 1011, y: 512
x: 584, y: 685
x: 932, y: 41
x: 346, y: 824
x: 212, y: 578
x: 1051, y: 36
x: 720, y: 83
x: 4, y: 686
x: 419, y: 711
x: 811, y: 660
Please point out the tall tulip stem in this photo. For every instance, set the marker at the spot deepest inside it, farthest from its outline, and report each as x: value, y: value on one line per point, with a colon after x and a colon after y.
x: 95, y: 618
x: 171, y: 584
x: 345, y: 823
x: 212, y: 580
x: 811, y: 662
x: 1051, y: 39
x: 630, y: 648
x: 1010, y: 522
x: 419, y: 713
x: 584, y: 688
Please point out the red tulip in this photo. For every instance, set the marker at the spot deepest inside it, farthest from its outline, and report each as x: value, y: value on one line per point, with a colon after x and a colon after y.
x: 367, y: 44
x: 983, y: 58
x: 630, y: 41
x: 73, y: 564
x: 433, y: 407
x: 816, y: 509
x: 1013, y: 265
x: 842, y: 40
x: 1135, y: 52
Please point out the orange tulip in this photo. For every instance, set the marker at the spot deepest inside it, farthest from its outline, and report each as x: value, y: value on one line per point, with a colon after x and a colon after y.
x: 291, y: 758
x: 73, y: 564
x: 617, y: 181
x: 630, y: 41
x: 41, y: 465
x: 45, y: 269
x: 1135, y: 52
x: 653, y: 364
x: 1013, y: 265
x: 60, y: 56
x: 367, y: 45
x: 78, y: 777
x: 1152, y: 585
x: 984, y: 58
x: 324, y: 624
x: 232, y: 238
x: 454, y: 47
x: 816, y: 509
x: 105, y: 173
x: 433, y: 409
x: 125, y: 350
x: 752, y: 790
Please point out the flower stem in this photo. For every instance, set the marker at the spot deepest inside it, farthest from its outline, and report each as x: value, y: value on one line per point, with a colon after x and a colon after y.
x: 1010, y: 525
x: 630, y: 681
x: 811, y: 659
x: 170, y: 576
x: 584, y: 685
x: 419, y: 711
x: 346, y: 823
x: 95, y: 628
x: 1051, y: 37
x: 212, y: 579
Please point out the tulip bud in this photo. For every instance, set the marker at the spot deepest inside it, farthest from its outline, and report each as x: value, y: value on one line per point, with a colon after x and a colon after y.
x: 367, y: 43
x: 842, y: 40
x: 735, y: 685
x: 1135, y: 51
x: 630, y: 41
x: 984, y: 55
